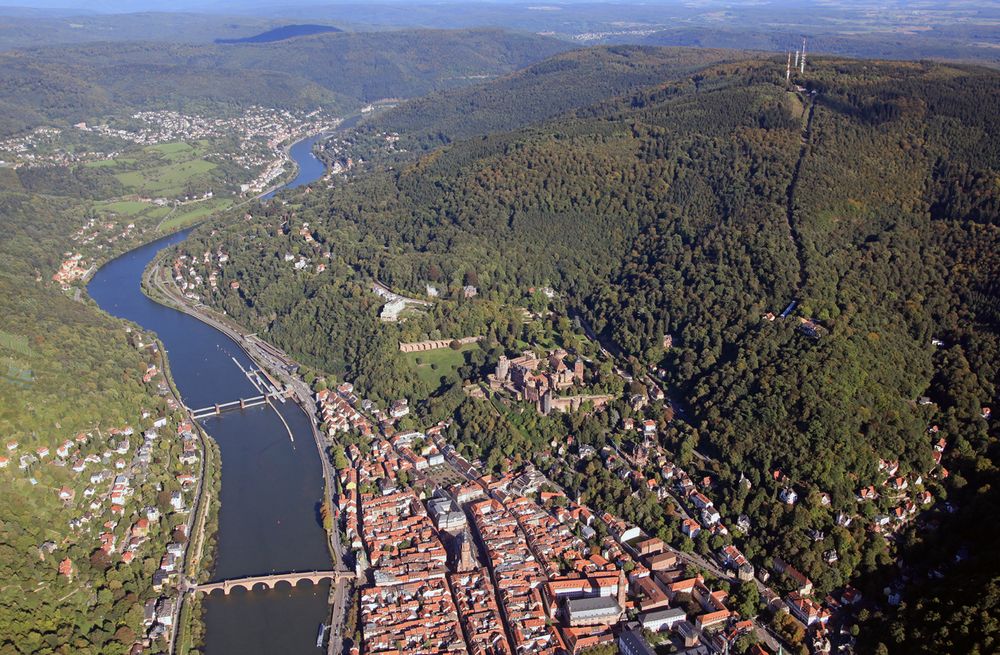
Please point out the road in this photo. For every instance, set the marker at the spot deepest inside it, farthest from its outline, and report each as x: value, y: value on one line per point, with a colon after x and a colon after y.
x: 200, y: 505
x: 304, y: 396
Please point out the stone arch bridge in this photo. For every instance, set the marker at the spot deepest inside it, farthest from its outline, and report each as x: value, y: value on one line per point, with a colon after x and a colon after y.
x: 270, y: 581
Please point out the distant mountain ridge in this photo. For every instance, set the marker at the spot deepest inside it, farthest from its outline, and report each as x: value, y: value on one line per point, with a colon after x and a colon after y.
x: 282, y: 33
x: 336, y: 70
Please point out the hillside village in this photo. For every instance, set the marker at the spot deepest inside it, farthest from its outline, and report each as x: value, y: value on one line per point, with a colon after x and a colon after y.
x: 123, y: 498
x: 570, y: 576
x: 258, y: 132
x: 440, y: 509
x: 531, y: 568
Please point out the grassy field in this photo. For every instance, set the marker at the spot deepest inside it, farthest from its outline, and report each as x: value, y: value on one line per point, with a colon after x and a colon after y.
x: 166, y: 170
x: 432, y: 364
x: 104, y: 163
x: 166, y: 180
x: 193, y: 213
x: 125, y: 207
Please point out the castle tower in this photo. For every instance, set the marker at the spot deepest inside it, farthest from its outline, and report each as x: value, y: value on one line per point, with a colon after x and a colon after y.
x: 545, y: 402
x: 578, y: 371
x: 503, y: 368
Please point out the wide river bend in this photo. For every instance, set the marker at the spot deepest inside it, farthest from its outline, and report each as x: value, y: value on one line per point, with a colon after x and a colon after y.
x: 271, y: 487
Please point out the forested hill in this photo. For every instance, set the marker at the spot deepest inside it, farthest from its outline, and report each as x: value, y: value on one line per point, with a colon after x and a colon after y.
x: 339, y: 71
x: 700, y: 208
x: 562, y: 83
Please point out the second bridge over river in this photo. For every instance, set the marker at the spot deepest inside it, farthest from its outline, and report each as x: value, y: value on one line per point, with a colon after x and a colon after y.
x: 242, y: 403
x: 270, y: 581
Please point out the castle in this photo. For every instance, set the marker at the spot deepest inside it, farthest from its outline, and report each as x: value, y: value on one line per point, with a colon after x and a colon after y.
x: 537, y: 380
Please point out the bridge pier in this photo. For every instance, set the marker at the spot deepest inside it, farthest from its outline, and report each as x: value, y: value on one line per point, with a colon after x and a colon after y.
x: 243, y: 404
x: 218, y: 410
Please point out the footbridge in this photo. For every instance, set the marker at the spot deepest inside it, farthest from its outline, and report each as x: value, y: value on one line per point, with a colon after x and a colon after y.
x: 271, y: 581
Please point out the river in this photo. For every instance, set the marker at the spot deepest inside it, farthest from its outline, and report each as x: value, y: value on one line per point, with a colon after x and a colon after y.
x: 271, y: 487
x: 309, y: 167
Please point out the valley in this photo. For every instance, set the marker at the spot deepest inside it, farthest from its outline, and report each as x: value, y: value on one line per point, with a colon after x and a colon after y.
x: 624, y: 348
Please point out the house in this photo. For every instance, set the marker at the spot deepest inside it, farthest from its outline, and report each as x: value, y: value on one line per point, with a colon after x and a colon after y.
x: 710, y: 619
x: 66, y: 494
x: 805, y: 585
x: 662, y: 620
x: 806, y: 610
x: 700, y: 500
x: 165, y: 611
x: 140, y: 528
x: 788, y: 496
x: 867, y: 493
x: 66, y: 568
x: 691, y: 528
x: 399, y: 408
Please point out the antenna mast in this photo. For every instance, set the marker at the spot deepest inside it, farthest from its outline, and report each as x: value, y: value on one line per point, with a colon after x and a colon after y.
x: 803, y: 64
x: 788, y: 67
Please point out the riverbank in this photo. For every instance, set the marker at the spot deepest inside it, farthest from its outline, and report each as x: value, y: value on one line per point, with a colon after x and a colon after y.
x: 186, y: 634
x: 158, y: 289
x: 155, y: 234
x: 204, y: 623
x: 158, y: 286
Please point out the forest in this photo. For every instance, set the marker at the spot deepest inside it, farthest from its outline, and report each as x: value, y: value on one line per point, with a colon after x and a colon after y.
x: 582, y: 77
x: 338, y: 71
x: 699, y: 208
x: 65, y: 370
x: 69, y: 371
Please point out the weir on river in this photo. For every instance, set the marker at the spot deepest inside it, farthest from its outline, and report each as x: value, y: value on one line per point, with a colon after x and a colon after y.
x: 271, y: 490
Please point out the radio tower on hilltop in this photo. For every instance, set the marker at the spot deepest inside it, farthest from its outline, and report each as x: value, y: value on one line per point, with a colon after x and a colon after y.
x: 802, y: 65
x: 788, y: 68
